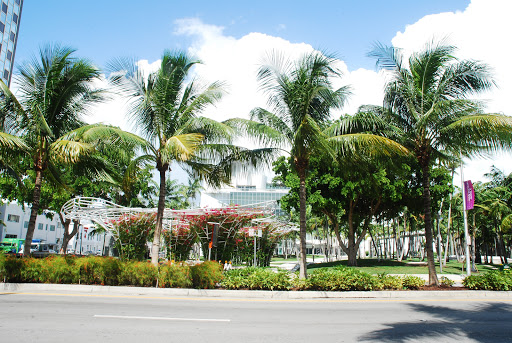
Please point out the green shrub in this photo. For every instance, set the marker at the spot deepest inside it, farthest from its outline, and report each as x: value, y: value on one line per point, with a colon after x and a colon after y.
x: 206, y: 275
x: 142, y: 274
x: 445, y: 282
x: 339, y: 279
x: 31, y: 270
x: 389, y: 282
x: 58, y: 269
x: 494, y: 280
x: 89, y: 270
x: 12, y: 269
x: 174, y: 275
x: 257, y: 278
x: 413, y: 282
x: 110, y: 271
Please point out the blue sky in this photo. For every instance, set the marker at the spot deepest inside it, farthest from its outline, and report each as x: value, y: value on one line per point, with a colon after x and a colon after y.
x: 231, y: 37
x: 104, y: 29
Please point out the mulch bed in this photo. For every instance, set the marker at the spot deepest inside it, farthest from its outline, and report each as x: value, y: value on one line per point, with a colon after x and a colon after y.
x: 443, y: 288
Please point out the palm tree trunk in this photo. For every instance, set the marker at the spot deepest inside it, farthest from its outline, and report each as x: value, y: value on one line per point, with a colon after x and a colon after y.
x: 155, y: 248
x: 33, y: 212
x: 302, y: 223
x: 427, y: 207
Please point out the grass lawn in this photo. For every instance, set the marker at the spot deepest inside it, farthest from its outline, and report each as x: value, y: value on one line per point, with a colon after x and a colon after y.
x: 373, y: 266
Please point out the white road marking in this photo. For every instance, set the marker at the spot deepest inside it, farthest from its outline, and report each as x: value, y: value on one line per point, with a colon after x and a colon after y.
x: 162, y: 318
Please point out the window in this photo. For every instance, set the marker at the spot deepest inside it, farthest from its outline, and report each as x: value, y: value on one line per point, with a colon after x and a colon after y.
x: 46, y: 227
x: 6, y: 74
x: 12, y: 36
x: 25, y: 225
x: 52, y: 227
x: 40, y: 226
x: 2, y: 27
x: 9, y: 55
x: 13, y: 218
x: 11, y: 236
x: 17, y: 1
x: 15, y: 18
x: 4, y: 7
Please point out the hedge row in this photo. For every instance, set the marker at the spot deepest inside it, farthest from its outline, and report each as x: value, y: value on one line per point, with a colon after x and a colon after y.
x: 108, y: 271
x: 113, y: 272
x: 322, y: 279
x: 494, y: 280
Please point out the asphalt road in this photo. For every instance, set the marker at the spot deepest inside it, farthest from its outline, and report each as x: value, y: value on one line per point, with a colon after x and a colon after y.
x: 53, y: 317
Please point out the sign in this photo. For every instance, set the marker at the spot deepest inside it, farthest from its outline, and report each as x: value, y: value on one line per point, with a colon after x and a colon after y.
x: 251, y: 232
x: 469, y: 193
x: 260, y: 233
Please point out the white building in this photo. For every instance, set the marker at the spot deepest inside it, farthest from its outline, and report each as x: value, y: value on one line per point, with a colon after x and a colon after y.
x: 14, y: 223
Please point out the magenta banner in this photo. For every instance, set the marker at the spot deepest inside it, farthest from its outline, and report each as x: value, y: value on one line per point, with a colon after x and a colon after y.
x: 469, y: 192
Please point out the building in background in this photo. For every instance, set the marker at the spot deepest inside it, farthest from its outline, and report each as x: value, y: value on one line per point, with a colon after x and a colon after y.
x: 250, y: 189
x: 10, y: 16
x: 14, y: 223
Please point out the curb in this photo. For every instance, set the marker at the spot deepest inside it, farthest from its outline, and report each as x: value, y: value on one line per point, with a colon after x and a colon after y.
x: 6, y: 288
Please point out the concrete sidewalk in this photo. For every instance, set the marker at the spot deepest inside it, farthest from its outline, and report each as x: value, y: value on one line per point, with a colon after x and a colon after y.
x: 13, y: 288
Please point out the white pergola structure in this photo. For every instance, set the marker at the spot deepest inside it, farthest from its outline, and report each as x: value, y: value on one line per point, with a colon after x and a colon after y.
x: 105, y: 213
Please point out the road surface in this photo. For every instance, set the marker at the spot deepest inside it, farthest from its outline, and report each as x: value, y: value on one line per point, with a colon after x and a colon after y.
x: 60, y: 317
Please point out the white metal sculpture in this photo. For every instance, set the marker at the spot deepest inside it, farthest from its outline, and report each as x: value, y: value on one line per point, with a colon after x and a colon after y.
x: 104, y: 212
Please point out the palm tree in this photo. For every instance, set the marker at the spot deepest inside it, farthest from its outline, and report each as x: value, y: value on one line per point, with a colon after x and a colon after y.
x: 55, y: 91
x: 165, y: 106
x: 427, y: 110
x: 301, y: 96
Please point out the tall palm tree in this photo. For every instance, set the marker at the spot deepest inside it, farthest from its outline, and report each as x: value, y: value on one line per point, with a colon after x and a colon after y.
x: 165, y: 105
x: 55, y: 91
x: 427, y: 110
x: 300, y: 96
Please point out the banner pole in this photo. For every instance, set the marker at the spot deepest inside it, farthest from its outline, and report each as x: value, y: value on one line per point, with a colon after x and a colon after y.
x: 464, y: 205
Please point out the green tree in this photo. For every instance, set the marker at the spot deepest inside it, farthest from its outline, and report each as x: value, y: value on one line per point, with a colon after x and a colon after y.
x: 166, y: 105
x: 427, y: 110
x: 56, y: 90
x: 301, y: 96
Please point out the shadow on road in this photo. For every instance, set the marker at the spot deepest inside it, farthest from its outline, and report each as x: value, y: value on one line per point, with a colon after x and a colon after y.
x: 482, y: 323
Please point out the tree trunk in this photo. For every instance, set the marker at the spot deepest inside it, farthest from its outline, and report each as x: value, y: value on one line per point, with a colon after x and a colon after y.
x: 302, y: 221
x: 33, y: 212
x: 432, y: 275
x: 155, y: 248
x: 67, y: 235
x: 352, y: 251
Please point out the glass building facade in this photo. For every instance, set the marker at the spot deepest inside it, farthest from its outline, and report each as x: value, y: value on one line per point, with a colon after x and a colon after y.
x: 10, y: 16
x: 246, y: 195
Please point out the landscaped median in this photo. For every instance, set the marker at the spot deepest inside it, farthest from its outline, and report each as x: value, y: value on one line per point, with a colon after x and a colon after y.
x: 209, y: 275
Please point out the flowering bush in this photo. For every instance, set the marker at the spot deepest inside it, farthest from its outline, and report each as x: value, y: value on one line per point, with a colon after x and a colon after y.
x: 179, y: 241
x: 132, y: 233
x: 265, y: 245
x: 230, y: 221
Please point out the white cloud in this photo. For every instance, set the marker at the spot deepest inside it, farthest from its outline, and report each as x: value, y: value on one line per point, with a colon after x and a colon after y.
x: 236, y: 61
x: 480, y: 32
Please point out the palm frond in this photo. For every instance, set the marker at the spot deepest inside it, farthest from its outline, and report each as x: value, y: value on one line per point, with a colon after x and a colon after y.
x: 261, y: 133
x: 180, y: 147
x: 480, y: 133
x: 366, y: 144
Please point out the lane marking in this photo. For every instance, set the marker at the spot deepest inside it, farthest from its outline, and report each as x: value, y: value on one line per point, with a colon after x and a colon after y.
x: 161, y: 318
